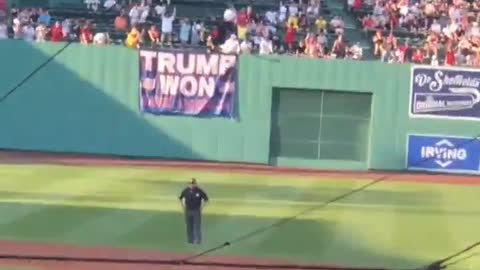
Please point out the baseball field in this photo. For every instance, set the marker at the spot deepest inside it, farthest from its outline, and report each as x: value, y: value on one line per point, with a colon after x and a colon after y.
x: 81, y: 213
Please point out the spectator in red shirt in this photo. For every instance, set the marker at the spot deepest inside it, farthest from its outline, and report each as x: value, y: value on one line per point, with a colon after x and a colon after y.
x: 154, y: 35
x: 394, y: 21
x: 418, y: 57
x: 242, y: 18
x: 402, y: 52
x: 368, y: 23
x: 56, y: 33
x: 357, y: 4
x: 450, y: 57
x: 86, y: 36
x: 311, y: 46
x: 392, y: 41
x: 215, y: 36
x: 242, y: 23
x: 290, y: 36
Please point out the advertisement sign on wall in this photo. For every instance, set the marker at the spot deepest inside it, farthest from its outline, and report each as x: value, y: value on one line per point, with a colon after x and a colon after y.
x: 443, y: 154
x: 188, y: 83
x: 445, y: 93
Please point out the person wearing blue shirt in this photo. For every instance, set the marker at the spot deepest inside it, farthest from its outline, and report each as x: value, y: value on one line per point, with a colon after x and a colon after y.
x: 185, y: 29
x: 45, y: 18
x: 193, y: 199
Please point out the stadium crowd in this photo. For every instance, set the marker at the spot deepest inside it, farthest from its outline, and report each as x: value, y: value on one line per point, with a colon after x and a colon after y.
x: 296, y: 27
x: 37, y: 25
x: 446, y: 32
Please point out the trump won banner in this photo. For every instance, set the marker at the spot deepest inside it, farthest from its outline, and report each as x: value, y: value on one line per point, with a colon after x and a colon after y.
x: 188, y: 83
x: 445, y: 93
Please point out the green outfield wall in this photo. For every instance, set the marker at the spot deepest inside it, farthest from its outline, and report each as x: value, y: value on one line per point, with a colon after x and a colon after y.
x: 295, y: 112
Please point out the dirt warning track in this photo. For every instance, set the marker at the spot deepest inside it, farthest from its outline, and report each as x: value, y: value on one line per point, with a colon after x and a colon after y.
x: 26, y: 255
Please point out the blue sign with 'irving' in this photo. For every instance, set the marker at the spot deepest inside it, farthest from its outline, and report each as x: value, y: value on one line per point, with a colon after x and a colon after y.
x: 443, y: 154
x: 445, y: 93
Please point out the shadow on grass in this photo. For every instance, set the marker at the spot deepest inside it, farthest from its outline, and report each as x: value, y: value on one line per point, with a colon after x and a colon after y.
x: 234, y: 194
x: 300, y: 241
x: 315, y: 193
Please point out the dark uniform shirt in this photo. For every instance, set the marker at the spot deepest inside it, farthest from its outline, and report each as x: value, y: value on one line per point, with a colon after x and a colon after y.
x: 193, y: 198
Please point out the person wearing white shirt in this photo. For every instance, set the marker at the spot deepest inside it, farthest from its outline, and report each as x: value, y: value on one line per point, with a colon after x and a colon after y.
x: 337, y: 24
x: 450, y: 30
x: 245, y: 47
x: 282, y: 12
x: 134, y: 14
x: 266, y: 46
x: 92, y: 4
x: 434, y: 62
x: 436, y: 27
x: 160, y: 8
x: 28, y: 33
x: 350, y: 4
x: 293, y: 9
x: 40, y: 33
x: 196, y: 33
x: 230, y: 14
x: 101, y: 38
x: 415, y: 9
x: 231, y: 45
x: 167, y: 26
x: 17, y: 29
x: 356, y: 51
x: 404, y: 10
x: 457, y: 15
x: 3, y: 30
x: 66, y: 27
x: 475, y: 30
x: 313, y: 10
x: 322, y: 39
x: 109, y: 4
x: 378, y: 10
x: 271, y: 17
x: 144, y: 12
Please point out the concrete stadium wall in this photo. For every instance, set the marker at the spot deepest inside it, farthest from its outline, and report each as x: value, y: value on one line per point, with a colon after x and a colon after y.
x: 86, y: 101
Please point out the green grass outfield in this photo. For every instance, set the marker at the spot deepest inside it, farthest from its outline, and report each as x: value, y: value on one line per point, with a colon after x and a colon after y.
x: 393, y: 224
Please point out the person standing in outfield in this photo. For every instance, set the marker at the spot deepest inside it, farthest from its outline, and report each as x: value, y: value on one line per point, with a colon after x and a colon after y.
x: 193, y: 199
